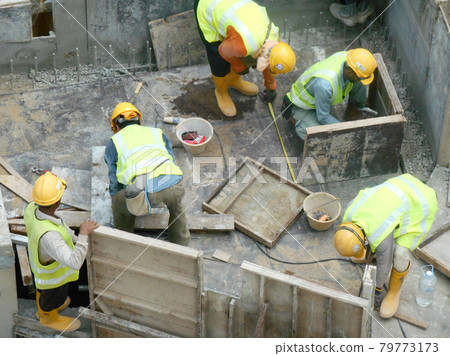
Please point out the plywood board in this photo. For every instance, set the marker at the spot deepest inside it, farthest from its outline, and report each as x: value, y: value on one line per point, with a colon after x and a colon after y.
x: 203, y: 222
x: 434, y: 250
x: 171, y: 38
x: 356, y: 149
x: 298, y: 308
x: 78, y: 182
x: 264, y: 204
x: 222, y: 313
x: 150, y: 282
x: 382, y: 94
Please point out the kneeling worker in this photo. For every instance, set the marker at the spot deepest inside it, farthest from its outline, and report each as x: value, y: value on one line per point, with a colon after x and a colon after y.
x: 56, y: 253
x: 388, y: 219
x: 143, y: 173
x: 327, y: 83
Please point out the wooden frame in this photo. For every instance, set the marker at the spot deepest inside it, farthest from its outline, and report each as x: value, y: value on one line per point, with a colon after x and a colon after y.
x: 277, y: 200
x: 299, y: 308
x: 433, y: 257
x: 149, y: 282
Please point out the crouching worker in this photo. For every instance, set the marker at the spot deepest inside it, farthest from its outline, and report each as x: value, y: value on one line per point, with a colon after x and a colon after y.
x: 143, y: 173
x: 326, y: 84
x: 388, y: 219
x: 56, y: 253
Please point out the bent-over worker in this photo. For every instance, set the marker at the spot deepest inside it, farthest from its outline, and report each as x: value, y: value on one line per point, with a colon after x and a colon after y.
x: 238, y: 35
x: 56, y: 253
x: 143, y: 173
x: 326, y: 84
x: 388, y: 219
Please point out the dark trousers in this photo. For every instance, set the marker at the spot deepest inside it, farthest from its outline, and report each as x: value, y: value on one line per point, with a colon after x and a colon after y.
x: 219, y: 66
x: 53, y: 298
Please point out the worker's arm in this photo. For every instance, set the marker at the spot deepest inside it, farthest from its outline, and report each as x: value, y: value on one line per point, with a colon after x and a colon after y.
x: 232, y: 49
x: 53, y: 247
x: 323, y: 93
x: 168, y: 146
x: 358, y: 95
x: 269, y: 79
x: 384, y: 251
x: 111, y: 158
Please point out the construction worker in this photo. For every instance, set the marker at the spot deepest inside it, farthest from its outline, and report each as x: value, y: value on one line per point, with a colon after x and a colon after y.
x: 143, y: 173
x: 238, y: 35
x: 56, y: 253
x: 388, y: 219
x: 352, y: 12
x: 327, y: 83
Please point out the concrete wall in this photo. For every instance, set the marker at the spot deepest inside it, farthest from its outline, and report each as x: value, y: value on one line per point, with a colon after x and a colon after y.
x: 15, y: 23
x: 422, y: 38
x: 8, y: 292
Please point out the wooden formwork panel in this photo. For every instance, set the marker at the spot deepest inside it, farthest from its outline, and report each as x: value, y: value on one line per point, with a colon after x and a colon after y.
x: 356, y: 149
x: 221, y: 315
x: 263, y: 203
x: 299, y: 308
x: 150, y: 282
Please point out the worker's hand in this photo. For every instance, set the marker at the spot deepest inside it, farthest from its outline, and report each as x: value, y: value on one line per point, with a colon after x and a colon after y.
x: 245, y: 71
x: 87, y: 227
x: 268, y: 95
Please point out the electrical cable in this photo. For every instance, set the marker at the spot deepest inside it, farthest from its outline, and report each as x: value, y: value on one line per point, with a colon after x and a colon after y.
x: 300, y: 263
x: 223, y: 154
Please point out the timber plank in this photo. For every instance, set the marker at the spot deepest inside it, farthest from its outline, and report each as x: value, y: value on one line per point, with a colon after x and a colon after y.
x: 18, y: 185
x: 263, y: 203
x: 177, y: 31
x: 72, y: 218
x: 203, y: 222
x: 25, y: 270
x: 36, y: 325
x: 356, y: 149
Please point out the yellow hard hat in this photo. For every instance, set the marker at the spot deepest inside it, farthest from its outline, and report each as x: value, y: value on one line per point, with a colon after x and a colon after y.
x: 363, y: 64
x: 124, y: 108
x: 48, y: 189
x: 349, y: 240
x: 281, y: 58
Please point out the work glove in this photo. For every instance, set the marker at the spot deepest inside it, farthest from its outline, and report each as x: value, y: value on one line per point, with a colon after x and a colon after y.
x: 268, y: 95
x: 379, y: 295
x: 245, y: 71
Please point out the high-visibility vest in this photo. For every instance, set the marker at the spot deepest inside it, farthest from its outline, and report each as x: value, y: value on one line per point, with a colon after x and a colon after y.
x: 141, y: 150
x: 328, y: 69
x: 54, y: 274
x: 402, y: 203
x: 248, y: 18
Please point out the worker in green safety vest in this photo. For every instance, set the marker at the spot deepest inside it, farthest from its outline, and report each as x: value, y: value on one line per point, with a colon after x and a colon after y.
x: 326, y: 84
x: 238, y: 35
x: 388, y: 219
x: 143, y: 173
x: 56, y: 253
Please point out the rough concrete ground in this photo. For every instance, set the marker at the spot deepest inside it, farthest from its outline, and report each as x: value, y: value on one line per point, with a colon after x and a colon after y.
x: 79, y: 116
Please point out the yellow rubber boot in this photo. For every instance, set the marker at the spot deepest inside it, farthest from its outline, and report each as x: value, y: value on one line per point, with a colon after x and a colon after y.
x: 58, y: 322
x: 224, y: 101
x: 39, y: 310
x: 389, y: 305
x: 235, y: 81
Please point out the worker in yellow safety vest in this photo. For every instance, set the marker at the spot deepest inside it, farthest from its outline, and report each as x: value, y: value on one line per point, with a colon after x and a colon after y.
x: 143, y: 173
x: 388, y: 219
x: 56, y: 253
x: 326, y: 84
x: 237, y: 35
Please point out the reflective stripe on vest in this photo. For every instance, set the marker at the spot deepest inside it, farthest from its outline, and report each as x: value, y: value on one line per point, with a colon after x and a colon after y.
x: 54, y: 274
x: 141, y: 150
x: 327, y: 69
x: 402, y: 202
x: 248, y: 18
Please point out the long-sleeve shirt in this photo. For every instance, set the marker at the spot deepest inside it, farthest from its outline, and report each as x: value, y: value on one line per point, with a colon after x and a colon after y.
x: 322, y: 92
x: 52, y: 246
x: 232, y: 49
x: 153, y: 185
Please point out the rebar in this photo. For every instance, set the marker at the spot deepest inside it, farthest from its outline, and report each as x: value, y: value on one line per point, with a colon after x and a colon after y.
x: 284, y: 28
x: 35, y: 71
x: 95, y: 57
x: 168, y: 56
x: 189, y: 53
x: 389, y: 44
x: 54, y: 67
x: 386, y: 33
x: 150, y: 59
x: 78, y: 64
x: 398, y: 65
x: 12, y: 74
x: 134, y: 61
x: 404, y: 79
x: 147, y: 43
x: 129, y: 54
x: 289, y: 35
x: 320, y: 20
x: 307, y: 31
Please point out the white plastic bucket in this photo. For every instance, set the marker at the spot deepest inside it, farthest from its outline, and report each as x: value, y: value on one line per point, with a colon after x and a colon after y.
x: 324, y: 202
x: 203, y: 128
